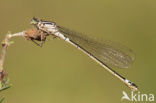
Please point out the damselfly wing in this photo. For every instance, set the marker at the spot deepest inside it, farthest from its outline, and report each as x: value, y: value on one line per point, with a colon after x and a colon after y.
x: 106, y: 51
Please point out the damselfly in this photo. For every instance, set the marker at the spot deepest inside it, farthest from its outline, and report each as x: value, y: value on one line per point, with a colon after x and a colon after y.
x: 103, y: 53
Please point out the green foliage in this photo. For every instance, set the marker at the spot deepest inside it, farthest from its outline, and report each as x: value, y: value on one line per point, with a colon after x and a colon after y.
x: 1, y: 99
x: 4, y: 88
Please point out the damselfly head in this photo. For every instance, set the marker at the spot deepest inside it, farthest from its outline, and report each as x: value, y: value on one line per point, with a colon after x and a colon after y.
x: 34, y: 21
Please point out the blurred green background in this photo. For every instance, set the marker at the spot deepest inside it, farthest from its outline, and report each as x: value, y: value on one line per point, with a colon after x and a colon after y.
x: 58, y: 72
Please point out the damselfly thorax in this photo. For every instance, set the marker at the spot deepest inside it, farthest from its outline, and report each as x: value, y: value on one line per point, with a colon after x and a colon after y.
x: 46, y: 26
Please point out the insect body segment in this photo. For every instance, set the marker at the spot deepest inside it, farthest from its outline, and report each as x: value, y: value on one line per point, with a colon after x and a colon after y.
x: 36, y: 35
x: 46, y: 26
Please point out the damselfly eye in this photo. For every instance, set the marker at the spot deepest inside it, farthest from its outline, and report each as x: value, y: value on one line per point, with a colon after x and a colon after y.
x: 34, y: 21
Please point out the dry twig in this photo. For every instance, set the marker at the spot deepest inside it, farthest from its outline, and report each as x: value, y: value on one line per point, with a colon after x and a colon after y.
x: 5, y: 44
x: 31, y: 34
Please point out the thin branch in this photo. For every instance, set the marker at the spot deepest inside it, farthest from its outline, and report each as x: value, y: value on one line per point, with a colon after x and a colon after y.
x: 5, y: 44
x: 31, y: 34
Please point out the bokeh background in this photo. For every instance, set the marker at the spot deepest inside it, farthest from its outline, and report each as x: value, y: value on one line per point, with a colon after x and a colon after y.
x: 58, y: 72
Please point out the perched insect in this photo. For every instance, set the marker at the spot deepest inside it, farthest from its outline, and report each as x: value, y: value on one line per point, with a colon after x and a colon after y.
x: 103, y: 53
x: 36, y: 35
